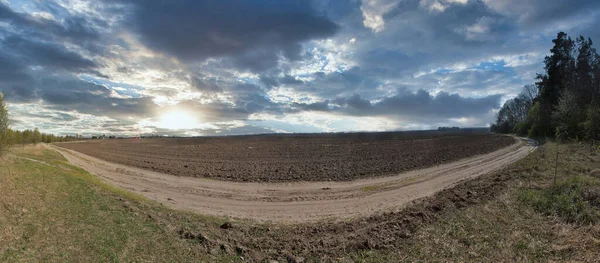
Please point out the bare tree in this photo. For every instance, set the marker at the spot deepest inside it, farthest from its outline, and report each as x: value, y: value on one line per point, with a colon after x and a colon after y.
x: 530, y: 93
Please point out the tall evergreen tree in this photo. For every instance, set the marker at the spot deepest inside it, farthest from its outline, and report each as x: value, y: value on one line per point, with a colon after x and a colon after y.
x: 569, y: 95
x: 560, y: 74
x: 584, y: 83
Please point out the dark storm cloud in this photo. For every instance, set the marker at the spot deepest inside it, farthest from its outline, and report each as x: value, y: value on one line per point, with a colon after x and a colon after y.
x: 22, y: 83
x: 472, y: 81
x: 417, y: 37
x: 15, y: 81
x: 205, y: 85
x: 34, y: 49
x: 72, y: 28
x: 32, y: 41
x: 536, y: 12
x: 47, y: 54
x: 64, y: 92
x: 443, y: 104
x: 54, y: 117
x: 90, y: 98
x: 43, y: 59
x: 250, y: 98
x: 251, y: 33
x: 287, y: 80
x: 317, y: 106
x: 341, y: 84
x: 420, y: 104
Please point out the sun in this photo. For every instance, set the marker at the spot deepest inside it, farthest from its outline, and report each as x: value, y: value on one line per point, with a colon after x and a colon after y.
x: 177, y: 120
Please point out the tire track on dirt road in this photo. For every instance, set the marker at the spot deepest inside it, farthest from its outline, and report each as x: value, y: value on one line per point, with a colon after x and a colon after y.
x: 296, y: 202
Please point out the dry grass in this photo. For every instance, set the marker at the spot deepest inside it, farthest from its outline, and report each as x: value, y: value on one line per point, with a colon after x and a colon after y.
x: 61, y: 213
x: 595, y: 173
x: 55, y: 215
x: 509, y: 229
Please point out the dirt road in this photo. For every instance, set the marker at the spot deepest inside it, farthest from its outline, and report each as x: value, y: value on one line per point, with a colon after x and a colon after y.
x: 297, y: 201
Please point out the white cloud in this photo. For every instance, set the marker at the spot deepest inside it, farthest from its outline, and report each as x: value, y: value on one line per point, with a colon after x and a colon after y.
x: 438, y: 6
x: 475, y: 52
x: 373, y: 12
x: 331, y: 55
x: 480, y: 30
x: 43, y: 15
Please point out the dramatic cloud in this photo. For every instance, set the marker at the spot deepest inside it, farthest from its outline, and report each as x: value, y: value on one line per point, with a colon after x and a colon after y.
x: 188, y: 68
x: 252, y: 33
x: 420, y: 105
x: 49, y: 55
x: 534, y: 12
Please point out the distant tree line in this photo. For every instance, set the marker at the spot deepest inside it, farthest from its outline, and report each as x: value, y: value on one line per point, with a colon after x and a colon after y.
x: 448, y: 128
x: 103, y: 136
x: 564, y: 101
x: 10, y: 137
x: 34, y: 136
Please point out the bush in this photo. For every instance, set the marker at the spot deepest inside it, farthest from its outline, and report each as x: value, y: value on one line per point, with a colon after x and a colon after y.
x: 569, y: 115
x: 3, y: 125
x: 567, y: 200
x: 592, y: 123
x: 522, y: 128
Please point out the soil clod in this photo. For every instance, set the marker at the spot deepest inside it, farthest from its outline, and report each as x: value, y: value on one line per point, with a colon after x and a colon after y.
x: 226, y: 225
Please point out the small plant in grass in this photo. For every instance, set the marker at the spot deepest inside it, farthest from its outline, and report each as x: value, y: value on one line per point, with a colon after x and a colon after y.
x: 566, y: 200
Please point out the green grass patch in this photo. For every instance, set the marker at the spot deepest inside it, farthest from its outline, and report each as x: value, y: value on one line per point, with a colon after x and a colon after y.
x: 570, y: 200
x: 55, y: 212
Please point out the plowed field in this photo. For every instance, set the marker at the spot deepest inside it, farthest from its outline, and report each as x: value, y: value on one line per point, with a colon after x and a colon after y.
x: 284, y: 158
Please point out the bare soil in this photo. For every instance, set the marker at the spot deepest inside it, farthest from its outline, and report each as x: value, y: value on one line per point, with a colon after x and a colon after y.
x: 294, y: 202
x: 287, y: 158
x: 362, y: 239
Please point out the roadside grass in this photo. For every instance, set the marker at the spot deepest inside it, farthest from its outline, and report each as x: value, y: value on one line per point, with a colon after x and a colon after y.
x: 52, y: 214
x: 571, y: 200
x: 528, y: 221
x: 56, y: 212
x: 496, y: 231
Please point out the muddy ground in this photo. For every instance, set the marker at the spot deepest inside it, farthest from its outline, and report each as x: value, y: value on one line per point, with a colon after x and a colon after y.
x: 284, y: 158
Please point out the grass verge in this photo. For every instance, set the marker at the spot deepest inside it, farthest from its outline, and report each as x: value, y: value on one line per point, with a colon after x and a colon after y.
x: 52, y: 211
x: 527, y: 219
x: 574, y: 200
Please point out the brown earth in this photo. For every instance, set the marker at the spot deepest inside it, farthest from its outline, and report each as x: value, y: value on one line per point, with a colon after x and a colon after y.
x: 342, y: 240
x: 285, y: 158
x: 293, y: 202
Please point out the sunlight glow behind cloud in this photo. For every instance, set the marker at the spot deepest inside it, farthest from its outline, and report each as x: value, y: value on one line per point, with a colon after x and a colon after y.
x: 200, y: 68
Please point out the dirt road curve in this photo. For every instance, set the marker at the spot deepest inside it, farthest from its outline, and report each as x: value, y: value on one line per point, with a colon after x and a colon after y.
x: 298, y: 201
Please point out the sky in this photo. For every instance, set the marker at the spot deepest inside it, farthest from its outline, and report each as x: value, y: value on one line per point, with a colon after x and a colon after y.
x: 229, y: 67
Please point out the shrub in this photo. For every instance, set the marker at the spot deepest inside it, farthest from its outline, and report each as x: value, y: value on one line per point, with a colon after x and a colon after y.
x: 3, y: 125
x: 592, y: 123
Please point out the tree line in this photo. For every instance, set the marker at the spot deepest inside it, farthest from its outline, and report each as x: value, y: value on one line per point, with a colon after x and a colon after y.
x: 34, y: 136
x: 10, y: 137
x: 564, y: 102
